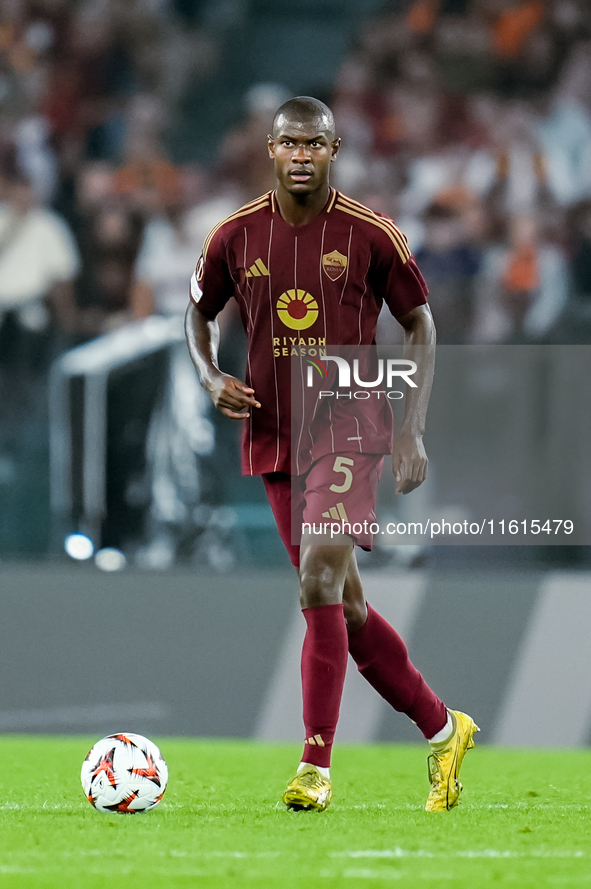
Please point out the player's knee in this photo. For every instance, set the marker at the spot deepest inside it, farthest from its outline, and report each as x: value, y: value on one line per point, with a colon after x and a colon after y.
x: 319, y: 585
x: 355, y: 614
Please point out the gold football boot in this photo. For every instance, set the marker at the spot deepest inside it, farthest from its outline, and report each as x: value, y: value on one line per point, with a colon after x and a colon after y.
x: 308, y: 790
x: 445, y: 761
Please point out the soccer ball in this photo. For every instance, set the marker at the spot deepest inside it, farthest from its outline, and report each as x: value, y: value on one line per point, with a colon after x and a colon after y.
x: 125, y: 774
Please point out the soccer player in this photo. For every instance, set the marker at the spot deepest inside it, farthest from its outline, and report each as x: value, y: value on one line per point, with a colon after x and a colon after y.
x: 308, y: 266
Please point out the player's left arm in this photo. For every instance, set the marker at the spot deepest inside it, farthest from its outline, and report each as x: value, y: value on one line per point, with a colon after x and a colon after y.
x: 409, y: 458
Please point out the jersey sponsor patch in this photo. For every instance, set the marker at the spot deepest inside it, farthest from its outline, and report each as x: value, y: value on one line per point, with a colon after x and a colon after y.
x: 197, y: 277
x: 196, y: 292
x: 199, y: 268
x: 334, y: 264
x: 298, y: 310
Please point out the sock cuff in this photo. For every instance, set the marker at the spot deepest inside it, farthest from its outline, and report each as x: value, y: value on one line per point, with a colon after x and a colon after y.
x: 324, y: 613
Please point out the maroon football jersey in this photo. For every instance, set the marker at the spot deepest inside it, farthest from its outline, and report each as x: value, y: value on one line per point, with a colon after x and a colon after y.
x: 300, y: 289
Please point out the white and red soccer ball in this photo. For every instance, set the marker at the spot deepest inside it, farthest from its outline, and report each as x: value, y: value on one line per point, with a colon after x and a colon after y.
x: 125, y: 774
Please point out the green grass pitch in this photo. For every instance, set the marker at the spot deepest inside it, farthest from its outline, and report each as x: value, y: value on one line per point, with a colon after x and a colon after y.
x: 524, y: 820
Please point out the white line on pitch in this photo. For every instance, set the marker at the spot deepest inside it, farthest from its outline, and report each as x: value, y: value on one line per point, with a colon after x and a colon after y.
x: 397, y: 852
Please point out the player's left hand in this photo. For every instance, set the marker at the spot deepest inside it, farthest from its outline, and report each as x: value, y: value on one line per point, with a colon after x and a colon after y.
x: 409, y: 462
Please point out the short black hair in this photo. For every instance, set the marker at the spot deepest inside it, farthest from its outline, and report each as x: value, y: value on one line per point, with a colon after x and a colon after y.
x: 306, y: 109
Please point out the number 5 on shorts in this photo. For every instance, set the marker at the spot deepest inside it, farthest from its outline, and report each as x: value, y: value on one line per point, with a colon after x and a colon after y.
x: 341, y: 464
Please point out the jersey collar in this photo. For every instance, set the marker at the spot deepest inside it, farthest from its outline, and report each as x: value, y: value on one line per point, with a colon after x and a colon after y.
x: 326, y: 209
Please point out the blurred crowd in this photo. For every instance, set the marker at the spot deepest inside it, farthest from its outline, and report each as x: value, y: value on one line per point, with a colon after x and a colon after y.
x: 467, y: 121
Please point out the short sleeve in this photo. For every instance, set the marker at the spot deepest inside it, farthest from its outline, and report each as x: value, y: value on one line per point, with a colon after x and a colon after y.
x: 211, y: 282
x: 395, y: 276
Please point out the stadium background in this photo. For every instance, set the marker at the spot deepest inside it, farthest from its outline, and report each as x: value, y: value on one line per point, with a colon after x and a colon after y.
x: 126, y: 131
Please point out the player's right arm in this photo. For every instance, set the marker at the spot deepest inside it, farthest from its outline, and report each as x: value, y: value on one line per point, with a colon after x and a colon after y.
x: 211, y: 287
x: 404, y: 290
x: 230, y: 395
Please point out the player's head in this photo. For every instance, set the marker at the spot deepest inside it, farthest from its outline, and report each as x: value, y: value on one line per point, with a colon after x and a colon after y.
x: 305, y: 109
x: 303, y: 144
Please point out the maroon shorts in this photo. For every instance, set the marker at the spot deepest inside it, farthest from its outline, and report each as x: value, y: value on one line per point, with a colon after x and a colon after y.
x: 338, y: 494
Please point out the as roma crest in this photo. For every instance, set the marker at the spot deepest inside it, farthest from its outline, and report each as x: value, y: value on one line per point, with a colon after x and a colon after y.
x: 334, y: 264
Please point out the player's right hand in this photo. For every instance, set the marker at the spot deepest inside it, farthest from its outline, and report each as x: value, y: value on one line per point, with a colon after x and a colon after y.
x: 232, y: 397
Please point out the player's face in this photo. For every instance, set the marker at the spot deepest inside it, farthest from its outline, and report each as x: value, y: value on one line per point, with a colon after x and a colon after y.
x: 302, y: 153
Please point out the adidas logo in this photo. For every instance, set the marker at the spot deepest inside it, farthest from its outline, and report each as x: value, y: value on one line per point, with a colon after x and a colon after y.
x: 316, y: 740
x: 258, y: 270
x: 336, y: 512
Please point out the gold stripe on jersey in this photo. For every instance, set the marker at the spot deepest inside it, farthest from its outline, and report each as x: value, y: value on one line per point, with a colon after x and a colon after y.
x: 393, y: 233
x: 402, y: 252
x: 355, y: 205
x: 371, y: 215
x: 252, y: 207
x: 332, y: 200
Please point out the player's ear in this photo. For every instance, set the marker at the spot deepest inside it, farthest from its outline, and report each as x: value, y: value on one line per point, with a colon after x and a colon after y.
x: 271, y: 145
x: 335, y: 145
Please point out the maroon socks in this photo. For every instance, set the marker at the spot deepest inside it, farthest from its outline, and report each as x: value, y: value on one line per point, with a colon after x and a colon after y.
x: 382, y: 658
x: 324, y: 663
